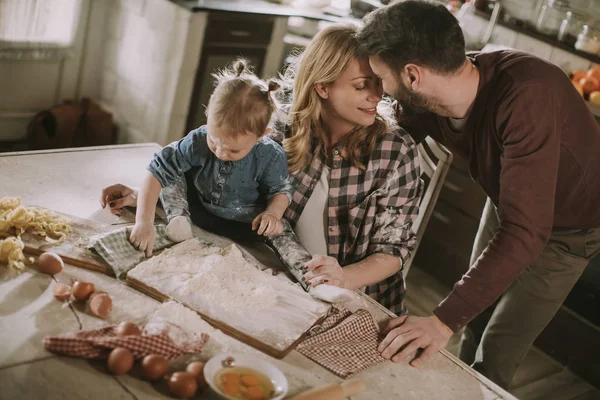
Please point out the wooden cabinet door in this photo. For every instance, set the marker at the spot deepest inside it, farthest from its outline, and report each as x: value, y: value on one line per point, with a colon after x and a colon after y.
x: 213, y: 59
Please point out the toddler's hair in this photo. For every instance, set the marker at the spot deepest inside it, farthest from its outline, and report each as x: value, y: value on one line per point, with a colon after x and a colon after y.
x: 241, y: 102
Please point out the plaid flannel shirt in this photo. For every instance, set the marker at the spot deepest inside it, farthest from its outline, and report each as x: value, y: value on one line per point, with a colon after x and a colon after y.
x: 369, y: 211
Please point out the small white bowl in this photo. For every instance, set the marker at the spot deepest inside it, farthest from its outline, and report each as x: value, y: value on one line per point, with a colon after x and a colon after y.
x: 218, y: 362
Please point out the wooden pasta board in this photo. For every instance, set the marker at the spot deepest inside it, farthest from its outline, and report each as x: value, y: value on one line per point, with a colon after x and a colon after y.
x: 225, y: 328
x: 73, y: 250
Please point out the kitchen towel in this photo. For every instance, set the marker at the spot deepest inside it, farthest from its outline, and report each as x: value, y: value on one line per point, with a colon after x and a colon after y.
x: 345, y: 343
x: 98, y: 343
x: 114, y: 247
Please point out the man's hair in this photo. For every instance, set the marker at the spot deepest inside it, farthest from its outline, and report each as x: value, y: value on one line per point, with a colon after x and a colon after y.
x: 414, y: 32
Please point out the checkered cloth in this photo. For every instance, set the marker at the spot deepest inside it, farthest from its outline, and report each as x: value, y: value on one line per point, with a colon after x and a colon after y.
x: 97, y: 344
x: 114, y: 247
x: 370, y: 210
x: 345, y: 343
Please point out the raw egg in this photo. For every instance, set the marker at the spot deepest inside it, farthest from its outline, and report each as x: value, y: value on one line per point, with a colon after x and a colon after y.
x: 256, y: 393
x: 82, y: 290
x: 197, y: 369
x: 183, y: 384
x: 244, y: 383
x: 154, y: 367
x: 101, y: 305
x: 120, y: 361
x: 127, y: 329
x: 50, y: 263
x: 61, y: 291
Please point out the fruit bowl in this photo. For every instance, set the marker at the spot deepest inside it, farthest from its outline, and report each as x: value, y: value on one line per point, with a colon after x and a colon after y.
x: 587, y: 84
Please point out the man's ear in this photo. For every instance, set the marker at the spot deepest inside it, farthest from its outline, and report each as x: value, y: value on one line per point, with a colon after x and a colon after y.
x: 413, y: 75
x: 322, y: 90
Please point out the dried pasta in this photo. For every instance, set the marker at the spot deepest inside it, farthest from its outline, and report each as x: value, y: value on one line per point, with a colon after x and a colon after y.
x: 11, y: 252
x: 15, y: 216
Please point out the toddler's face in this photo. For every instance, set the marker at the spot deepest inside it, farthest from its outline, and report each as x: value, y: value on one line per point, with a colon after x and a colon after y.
x: 228, y: 147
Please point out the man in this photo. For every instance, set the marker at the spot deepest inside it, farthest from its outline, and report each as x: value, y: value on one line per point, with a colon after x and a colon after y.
x: 531, y: 144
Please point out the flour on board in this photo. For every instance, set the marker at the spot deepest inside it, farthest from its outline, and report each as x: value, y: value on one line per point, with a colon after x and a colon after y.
x: 222, y: 284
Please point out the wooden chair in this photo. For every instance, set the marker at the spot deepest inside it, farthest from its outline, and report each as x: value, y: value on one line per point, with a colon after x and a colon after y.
x: 435, y: 162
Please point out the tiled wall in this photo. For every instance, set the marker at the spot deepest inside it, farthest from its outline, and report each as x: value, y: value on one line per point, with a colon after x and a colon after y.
x: 150, y: 54
x: 590, y: 6
x: 506, y: 37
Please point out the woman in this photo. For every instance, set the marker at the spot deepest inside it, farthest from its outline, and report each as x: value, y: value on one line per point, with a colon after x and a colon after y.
x: 355, y: 176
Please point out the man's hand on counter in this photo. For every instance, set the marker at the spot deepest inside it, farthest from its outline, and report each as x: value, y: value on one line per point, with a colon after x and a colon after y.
x: 407, y: 334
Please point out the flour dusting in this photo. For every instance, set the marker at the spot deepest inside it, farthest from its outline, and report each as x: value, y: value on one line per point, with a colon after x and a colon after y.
x: 226, y: 280
x: 331, y: 294
x: 222, y: 284
x: 291, y: 252
x: 181, y: 324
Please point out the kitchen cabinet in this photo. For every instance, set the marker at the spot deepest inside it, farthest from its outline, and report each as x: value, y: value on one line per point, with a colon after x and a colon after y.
x: 445, y: 249
x: 228, y: 36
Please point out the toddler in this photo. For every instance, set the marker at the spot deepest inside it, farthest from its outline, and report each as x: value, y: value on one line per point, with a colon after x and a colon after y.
x: 228, y: 168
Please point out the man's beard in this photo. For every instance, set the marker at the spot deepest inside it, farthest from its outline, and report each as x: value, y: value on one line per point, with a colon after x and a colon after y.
x: 414, y: 103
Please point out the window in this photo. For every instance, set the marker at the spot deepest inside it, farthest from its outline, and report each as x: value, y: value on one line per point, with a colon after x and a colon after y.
x: 37, y: 28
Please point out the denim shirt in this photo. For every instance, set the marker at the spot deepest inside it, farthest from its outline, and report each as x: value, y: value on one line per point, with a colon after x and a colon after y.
x: 234, y: 190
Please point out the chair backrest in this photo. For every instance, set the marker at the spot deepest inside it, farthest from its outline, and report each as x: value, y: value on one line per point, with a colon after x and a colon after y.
x: 435, y: 162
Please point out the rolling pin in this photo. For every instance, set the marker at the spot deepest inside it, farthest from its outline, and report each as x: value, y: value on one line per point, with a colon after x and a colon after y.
x: 333, y: 391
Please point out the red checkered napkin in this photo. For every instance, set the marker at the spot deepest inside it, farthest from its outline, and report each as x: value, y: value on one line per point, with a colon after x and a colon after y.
x: 98, y: 343
x: 345, y: 343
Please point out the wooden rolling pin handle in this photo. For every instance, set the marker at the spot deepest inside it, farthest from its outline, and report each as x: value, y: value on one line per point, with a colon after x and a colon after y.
x: 333, y: 391
x: 353, y: 386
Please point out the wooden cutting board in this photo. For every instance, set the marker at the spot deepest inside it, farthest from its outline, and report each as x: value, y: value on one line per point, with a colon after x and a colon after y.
x: 274, y: 329
x: 224, y: 327
x: 73, y: 250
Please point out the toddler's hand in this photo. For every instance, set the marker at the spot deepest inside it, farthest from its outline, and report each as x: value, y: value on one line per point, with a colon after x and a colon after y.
x: 267, y: 224
x: 143, y: 237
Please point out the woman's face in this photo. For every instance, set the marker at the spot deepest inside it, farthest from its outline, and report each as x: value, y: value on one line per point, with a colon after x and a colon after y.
x: 352, y: 99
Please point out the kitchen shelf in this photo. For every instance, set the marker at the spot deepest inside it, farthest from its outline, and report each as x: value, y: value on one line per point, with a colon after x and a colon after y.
x: 529, y: 30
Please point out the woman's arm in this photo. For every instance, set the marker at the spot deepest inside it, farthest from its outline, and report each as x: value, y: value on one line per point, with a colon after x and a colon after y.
x: 396, y: 211
x: 391, y: 238
x: 372, y: 269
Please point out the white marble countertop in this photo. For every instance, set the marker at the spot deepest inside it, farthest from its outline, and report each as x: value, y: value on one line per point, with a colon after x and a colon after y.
x: 70, y: 181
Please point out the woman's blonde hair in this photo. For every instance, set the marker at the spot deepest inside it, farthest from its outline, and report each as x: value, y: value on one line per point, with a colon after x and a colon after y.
x: 322, y: 62
x: 241, y: 102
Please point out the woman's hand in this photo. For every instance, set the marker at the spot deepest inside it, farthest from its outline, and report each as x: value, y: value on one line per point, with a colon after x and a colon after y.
x: 324, y: 269
x: 267, y: 223
x: 143, y: 237
x: 118, y: 196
